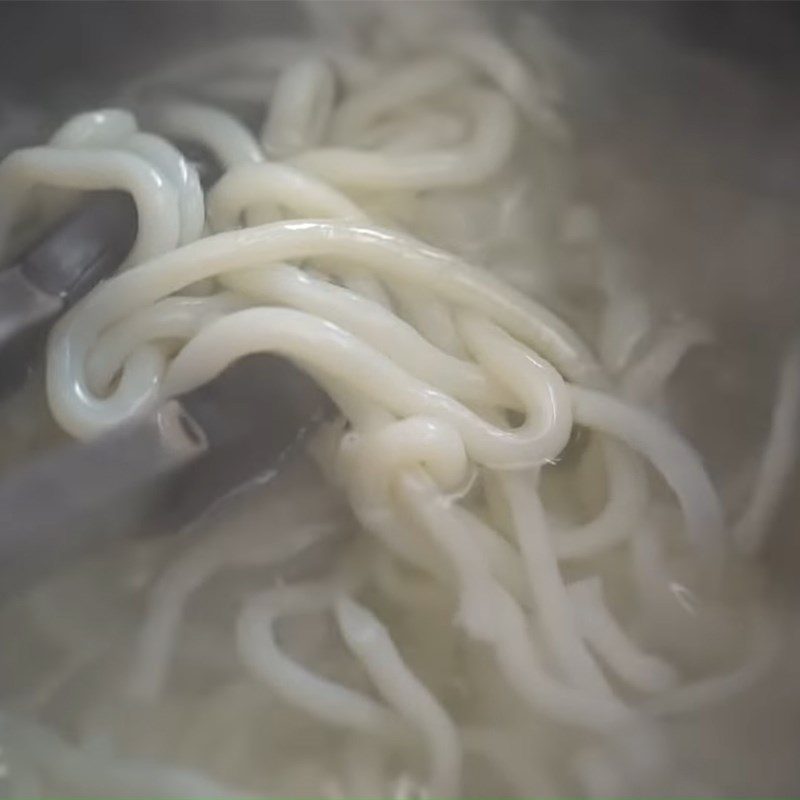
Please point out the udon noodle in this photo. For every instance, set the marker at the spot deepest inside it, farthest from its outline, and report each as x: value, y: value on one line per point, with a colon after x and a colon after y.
x: 527, y: 527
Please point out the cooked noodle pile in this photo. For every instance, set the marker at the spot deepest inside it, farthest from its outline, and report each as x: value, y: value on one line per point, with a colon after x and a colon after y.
x: 505, y: 611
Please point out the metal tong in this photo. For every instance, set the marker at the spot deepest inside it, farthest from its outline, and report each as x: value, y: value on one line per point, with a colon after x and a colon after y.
x: 82, y: 249
x: 158, y: 473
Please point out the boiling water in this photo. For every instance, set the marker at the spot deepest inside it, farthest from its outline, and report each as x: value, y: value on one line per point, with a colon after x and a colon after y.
x: 602, y: 229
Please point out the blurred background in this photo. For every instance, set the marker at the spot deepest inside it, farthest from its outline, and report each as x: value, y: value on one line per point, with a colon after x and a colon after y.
x: 52, y: 45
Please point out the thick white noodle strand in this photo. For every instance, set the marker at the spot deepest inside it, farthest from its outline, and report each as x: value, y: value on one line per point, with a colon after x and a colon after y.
x: 173, y: 589
x: 156, y: 200
x: 318, y: 345
x: 674, y: 459
x: 493, y: 134
x: 408, y: 84
x: 780, y: 455
x: 646, y: 378
x: 641, y: 671
x: 226, y: 137
x: 369, y: 640
x: 763, y: 647
x: 321, y: 698
x: 626, y: 504
x: 300, y: 109
x: 489, y: 614
x: 551, y: 602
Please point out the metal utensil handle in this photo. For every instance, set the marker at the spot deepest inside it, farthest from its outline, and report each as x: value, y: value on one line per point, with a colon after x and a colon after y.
x: 72, y: 257
x: 80, y: 496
